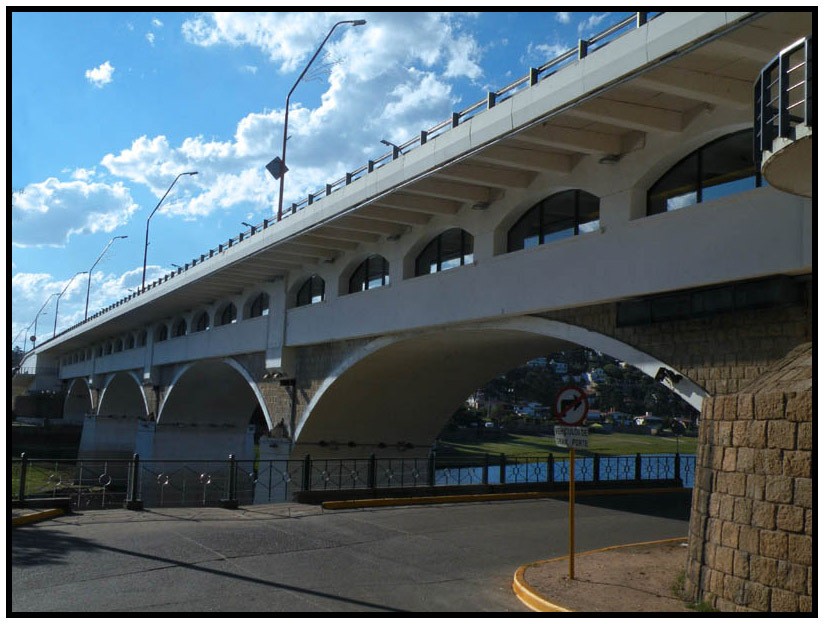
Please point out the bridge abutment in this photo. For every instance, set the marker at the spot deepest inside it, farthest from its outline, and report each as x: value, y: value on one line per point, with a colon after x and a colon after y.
x: 751, y: 526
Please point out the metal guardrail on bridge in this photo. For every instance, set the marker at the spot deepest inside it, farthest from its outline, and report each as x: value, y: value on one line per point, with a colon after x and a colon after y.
x: 108, y: 483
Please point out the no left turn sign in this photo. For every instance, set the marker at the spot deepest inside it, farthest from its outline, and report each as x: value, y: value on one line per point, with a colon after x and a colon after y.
x: 571, y: 406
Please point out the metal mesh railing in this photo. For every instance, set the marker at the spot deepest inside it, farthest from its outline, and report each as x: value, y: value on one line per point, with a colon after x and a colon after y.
x: 107, y: 483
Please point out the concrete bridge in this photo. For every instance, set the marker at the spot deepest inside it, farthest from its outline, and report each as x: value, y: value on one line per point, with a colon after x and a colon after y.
x: 547, y: 217
x: 648, y: 195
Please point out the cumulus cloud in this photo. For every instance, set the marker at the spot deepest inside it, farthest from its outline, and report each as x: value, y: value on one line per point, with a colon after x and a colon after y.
x: 587, y: 26
x: 150, y: 38
x: 563, y: 17
x: 101, y: 75
x: 49, y: 213
x: 157, y: 23
x: 408, y: 60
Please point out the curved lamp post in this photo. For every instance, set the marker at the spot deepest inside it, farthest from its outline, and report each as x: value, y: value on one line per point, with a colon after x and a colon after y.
x: 34, y: 322
x: 282, y: 165
x: 89, y: 287
x: 146, y: 246
x: 57, y: 305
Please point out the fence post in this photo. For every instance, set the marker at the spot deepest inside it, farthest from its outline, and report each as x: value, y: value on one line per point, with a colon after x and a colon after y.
x: 373, y: 471
x: 638, y: 466
x: 307, y: 473
x: 550, y: 469
x: 133, y: 502
x: 503, y: 469
x: 231, y: 501
x: 678, y: 469
x: 24, y: 464
x: 431, y: 468
x: 596, y: 467
x: 486, y: 469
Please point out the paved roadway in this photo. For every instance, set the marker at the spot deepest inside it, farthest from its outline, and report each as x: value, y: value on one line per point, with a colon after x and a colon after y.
x: 437, y: 558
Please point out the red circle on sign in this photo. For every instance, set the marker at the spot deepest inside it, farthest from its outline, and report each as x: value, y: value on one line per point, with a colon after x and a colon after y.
x: 571, y: 406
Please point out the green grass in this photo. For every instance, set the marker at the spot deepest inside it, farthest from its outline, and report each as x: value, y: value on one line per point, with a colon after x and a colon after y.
x: 468, y: 442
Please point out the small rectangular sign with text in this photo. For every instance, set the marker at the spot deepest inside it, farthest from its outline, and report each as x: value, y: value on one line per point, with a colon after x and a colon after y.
x: 571, y: 437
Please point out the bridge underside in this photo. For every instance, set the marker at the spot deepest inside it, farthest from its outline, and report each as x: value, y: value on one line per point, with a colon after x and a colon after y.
x: 405, y: 392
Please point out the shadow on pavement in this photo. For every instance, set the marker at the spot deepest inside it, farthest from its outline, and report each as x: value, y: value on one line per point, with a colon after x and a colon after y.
x: 672, y: 505
x: 32, y: 546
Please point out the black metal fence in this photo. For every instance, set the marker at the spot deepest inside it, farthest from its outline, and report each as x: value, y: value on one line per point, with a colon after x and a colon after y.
x: 135, y: 483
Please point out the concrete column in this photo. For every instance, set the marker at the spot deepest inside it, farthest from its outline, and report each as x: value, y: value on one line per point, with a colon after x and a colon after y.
x: 277, y: 357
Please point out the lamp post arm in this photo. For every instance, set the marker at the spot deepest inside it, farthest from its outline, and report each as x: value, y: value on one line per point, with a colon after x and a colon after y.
x: 91, y: 270
x: 286, y: 114
x: 146, y: 245
x: 57, y: 304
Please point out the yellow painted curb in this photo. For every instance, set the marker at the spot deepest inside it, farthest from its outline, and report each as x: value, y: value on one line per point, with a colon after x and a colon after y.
x: 36, y: 517
x: 474, y: 498
x: 535, y: 601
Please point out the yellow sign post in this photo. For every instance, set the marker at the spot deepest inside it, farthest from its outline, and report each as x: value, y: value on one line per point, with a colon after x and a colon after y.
x: 571, y: 407
x: 572, y: 513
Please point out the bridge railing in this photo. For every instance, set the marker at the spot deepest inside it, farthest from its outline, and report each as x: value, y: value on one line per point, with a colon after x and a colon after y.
x: 784, y: 96
x: 100, y: 483
x: 535, y: 75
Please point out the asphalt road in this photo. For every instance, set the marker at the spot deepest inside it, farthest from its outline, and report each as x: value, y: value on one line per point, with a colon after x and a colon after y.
x: 295, y: 558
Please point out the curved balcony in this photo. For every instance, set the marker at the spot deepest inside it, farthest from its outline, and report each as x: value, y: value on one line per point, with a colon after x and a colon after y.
x: 784, y: 119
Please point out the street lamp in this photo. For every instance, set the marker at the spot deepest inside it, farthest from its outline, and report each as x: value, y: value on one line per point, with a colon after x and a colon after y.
x: 57, y: 304
x: 34, y: 322
x: 280, y: 169
x: 88, y: 288
x: 146, y: 246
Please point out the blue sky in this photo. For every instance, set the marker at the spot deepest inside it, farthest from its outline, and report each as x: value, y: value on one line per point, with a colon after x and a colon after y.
x: 108, y: 108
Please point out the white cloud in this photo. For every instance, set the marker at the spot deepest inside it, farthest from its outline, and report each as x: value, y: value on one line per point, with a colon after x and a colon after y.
x: 248, y: 69
x: 562, y: 16
x: 83, y: 174
x: 101, y: 75
x: 49, y: 213
x: 408, y: 59
x: 150, y: 38
x: 157, y: 23
x: 586, y: 26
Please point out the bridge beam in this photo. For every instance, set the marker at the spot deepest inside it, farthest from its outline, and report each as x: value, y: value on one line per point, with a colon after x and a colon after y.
x: 631, y: 116
x: 530, y: 158
x: 700, y: 86
x: 429, y: 205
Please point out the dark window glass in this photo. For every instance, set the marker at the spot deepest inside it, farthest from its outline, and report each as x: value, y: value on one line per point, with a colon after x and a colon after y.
x: 720, y: 168
x: 312, y: 291
x: 259, y: 306
x: 562, y: 215
x: 202, y: 322
x: 228, y: 315
x: 372, y: 273
x: 162, y: 333
x: 130, y: 342
x: 141, y: 339
x: 179, y: 328
x: 451, y: 249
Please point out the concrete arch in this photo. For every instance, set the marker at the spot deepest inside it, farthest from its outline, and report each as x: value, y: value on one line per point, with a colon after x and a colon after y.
x: 79, y: 401
x: 367, y: 398
x: 123, y: 395
x: 212, y: 392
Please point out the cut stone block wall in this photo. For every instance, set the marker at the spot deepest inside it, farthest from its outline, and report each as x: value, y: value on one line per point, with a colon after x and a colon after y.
x: 751, y: 545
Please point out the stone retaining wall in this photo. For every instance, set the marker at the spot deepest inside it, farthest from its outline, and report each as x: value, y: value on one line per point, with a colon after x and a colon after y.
x: 751, y: 526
